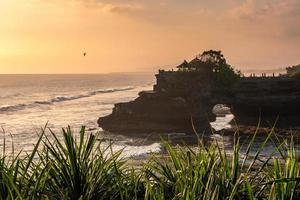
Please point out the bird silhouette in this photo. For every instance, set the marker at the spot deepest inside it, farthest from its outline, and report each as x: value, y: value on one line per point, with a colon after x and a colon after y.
x: 84, y: 54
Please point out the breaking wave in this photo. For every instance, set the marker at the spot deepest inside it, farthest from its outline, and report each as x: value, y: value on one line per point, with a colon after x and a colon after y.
x: 57, y: 99
x: 138, y: 152
x: 5, y: 108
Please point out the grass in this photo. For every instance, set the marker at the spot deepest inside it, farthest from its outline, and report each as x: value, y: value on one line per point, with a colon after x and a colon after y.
x: 78, y: 166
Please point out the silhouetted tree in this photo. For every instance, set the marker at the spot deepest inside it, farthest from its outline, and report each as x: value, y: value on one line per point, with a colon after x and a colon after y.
x: 214, y: 58
x: 224, y: 73
x: 183, y: 66
x: 213, y: 63
x: 293, y: 71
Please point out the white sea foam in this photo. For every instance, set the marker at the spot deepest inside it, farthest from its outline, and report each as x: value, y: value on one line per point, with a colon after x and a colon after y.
x: 31, y: 101
x: 58, y: 99
x: 138, y: 152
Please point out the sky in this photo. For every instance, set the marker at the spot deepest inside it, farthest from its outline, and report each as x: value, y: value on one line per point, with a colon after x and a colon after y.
x: 50, y: 36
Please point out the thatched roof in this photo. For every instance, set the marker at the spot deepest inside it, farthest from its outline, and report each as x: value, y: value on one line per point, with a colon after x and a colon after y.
x: 195, y: 61
x: 185, y: 64
x: 198, y: 64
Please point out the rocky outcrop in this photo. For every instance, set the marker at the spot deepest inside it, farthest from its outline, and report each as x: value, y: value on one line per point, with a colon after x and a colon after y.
x: 271, y: 99
x: 184, y: 100
x: 153, y: 112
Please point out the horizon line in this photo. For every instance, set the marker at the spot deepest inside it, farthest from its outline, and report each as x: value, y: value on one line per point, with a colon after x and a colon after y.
x: 98, y: 73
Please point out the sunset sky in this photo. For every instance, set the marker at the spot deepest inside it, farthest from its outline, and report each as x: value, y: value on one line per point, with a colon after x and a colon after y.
x: 50, y: 36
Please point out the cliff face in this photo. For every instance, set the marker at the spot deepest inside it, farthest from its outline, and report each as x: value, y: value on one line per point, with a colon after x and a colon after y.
x: 269, y: 98
x: 150, y: 112
x: 178, y: 98
x: 173, y: 106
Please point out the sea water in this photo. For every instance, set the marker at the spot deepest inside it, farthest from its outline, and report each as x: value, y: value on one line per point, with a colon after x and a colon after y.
x: 29, y: 102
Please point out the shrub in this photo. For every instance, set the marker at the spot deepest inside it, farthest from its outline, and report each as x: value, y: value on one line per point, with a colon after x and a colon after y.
x: 85, y: 168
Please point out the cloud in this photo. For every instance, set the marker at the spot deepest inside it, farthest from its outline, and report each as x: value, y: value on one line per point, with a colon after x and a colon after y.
x: 274, y: 19
x: 127, y: 7
x: 245, y: 10
x: 122, y: 9
x: 256, y: 10
x: 278, y: 19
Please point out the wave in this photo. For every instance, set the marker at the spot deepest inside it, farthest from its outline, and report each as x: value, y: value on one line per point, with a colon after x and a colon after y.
x: 138, y: 152
x: 80, y: 96
x: 110, y: 90
x: 5, y: 108
x: 57, y: 99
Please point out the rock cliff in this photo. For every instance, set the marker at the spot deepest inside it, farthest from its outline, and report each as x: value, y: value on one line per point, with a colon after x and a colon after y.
x: 183, y: 100
x: 268, y: 98
x: 151, y: 112
x: 164, y: 110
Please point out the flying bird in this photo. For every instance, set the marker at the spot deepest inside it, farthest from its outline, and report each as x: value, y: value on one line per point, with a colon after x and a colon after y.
x: 84, y: 54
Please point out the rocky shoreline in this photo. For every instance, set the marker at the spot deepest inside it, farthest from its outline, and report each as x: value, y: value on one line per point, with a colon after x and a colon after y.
x: 153, y: 112
x: 184, y: 101
x: 261, y: 131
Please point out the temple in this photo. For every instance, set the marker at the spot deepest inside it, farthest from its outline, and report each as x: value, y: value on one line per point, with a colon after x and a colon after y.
x: 182, y: 100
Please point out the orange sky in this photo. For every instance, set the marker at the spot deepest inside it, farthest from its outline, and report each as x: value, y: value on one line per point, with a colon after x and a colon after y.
x: 41, y: 36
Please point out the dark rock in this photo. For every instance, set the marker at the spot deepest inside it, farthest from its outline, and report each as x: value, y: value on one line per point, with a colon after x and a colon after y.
x: 152, y: 112
x: 270, y: 99
x: 221, y: 110
x: 182, y: 97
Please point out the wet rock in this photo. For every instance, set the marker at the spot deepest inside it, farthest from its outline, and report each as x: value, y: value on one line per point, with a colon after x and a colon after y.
x: 152, y: 112
x: 272, y: 100
x: 221, y: 110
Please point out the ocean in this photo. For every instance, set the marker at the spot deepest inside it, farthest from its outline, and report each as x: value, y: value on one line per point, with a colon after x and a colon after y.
x: 29, y: 102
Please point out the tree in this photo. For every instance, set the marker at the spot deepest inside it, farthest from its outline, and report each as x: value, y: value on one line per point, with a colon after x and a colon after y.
x: 214, y: 58
x: 224, y: 73
x: 183, y: 66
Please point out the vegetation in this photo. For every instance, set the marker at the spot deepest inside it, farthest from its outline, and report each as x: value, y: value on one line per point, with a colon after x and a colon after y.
x: 84, y: 168
x: 295, y: 75
x: 224, y: 73
x: 213, y: 61
x: 293, y: 71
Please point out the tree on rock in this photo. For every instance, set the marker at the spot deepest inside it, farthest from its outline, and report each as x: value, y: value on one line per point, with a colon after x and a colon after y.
x: 183, y: 66
x: 223, y: 73
x: 212, y: 63
x: 214, y: 58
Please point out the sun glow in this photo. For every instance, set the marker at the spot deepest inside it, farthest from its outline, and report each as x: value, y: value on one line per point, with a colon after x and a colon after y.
x: 39, y: 36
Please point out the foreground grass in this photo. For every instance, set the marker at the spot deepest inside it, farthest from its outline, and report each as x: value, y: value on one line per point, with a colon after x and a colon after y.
x: 84, y: 168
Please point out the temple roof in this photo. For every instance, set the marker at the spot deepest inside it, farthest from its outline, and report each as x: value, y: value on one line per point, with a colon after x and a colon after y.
x: 199, y: 64
x: 195, y: 61
x: 185, y: 64
x: 195, y: 64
